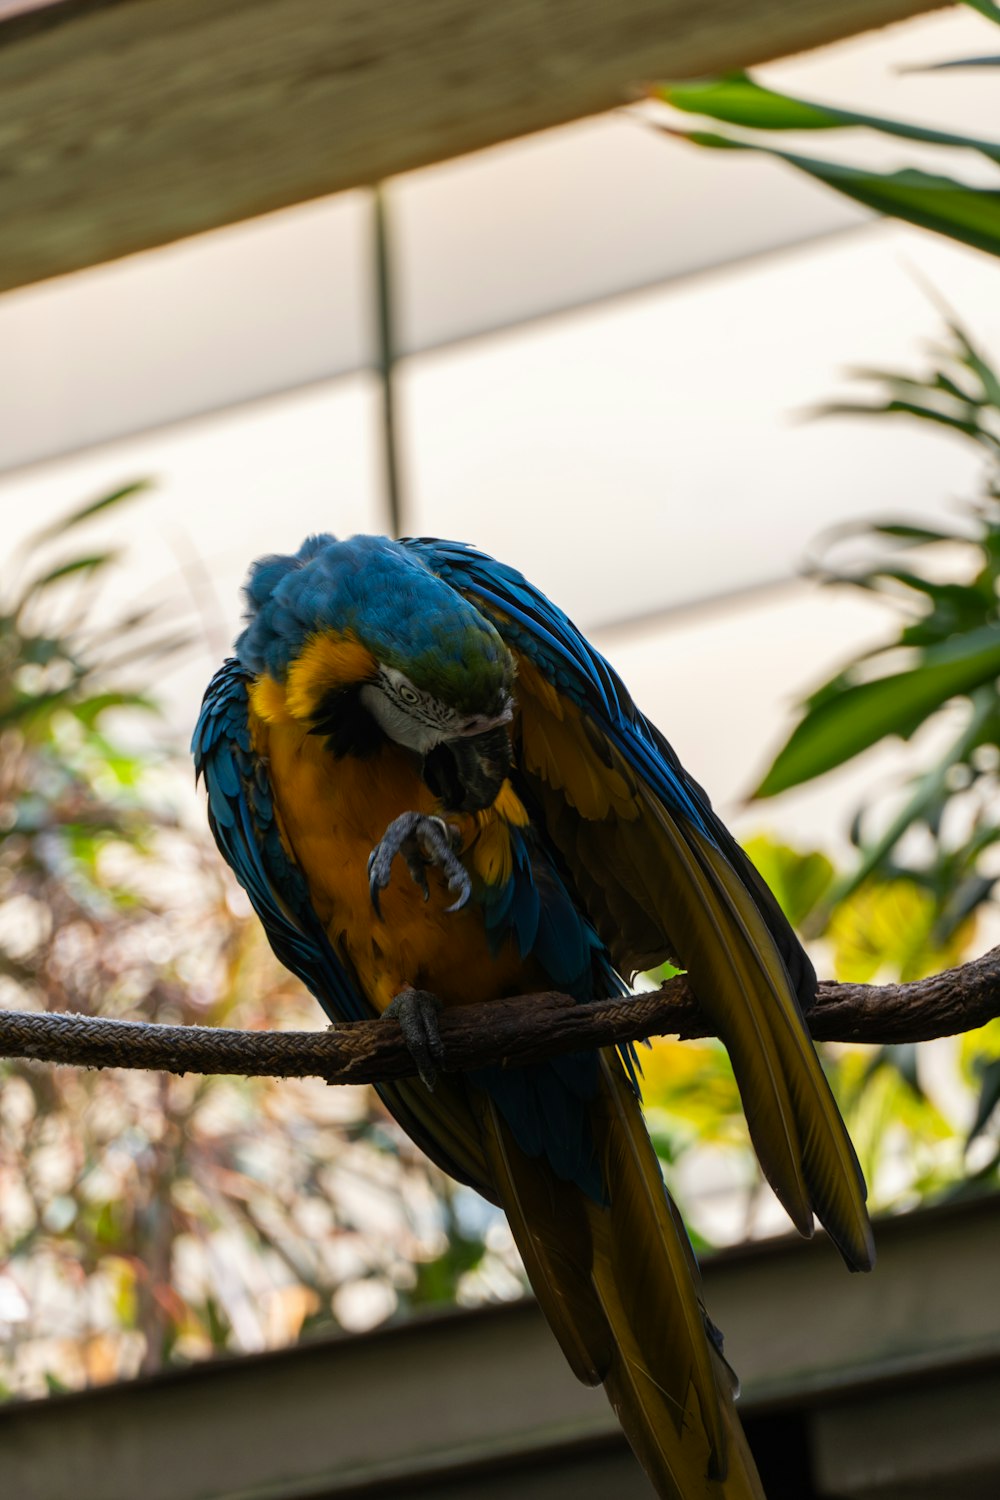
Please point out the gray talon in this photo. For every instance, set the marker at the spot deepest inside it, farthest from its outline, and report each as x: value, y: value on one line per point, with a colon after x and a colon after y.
x: 417, y: 1012
x: 417, y: 866
x: 422, y: 840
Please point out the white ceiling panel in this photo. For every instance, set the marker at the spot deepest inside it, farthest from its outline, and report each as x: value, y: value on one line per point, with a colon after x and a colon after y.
x: 225, y: 490
x: 559, y: 220
x: 653, y: 451
x: 211, y: 322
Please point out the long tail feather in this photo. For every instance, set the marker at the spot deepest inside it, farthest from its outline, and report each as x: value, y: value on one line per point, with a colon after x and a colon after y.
x: 549, y: 1224
x: 829, y: 1164
x: 619, y: 1286
x: 743, y: 984
x: 639, y: 1234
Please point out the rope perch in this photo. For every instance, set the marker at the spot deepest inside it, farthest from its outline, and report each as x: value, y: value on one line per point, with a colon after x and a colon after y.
x: 525, y: 1029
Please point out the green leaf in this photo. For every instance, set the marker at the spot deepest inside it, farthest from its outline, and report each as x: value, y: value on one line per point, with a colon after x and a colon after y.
x: 902, y: 1058
x: 981, y: 367
x: 985, y: 8
x: 90, y: 710
x: 963, y: 602
x: 89, y: 564
x: 736, y: 99
x: 968, y: 214
x: 905, y: 385
x: 797, y: 880
x: 887, y: 928
x: 968, y: 427
x: 838, y: 727
x: 958, y: 62
x: 963, y: 902
x: 34, y: 710
x: 919, y: 535
x: 91, y: 509
x: 989, y: 1097
x: 926, y: 789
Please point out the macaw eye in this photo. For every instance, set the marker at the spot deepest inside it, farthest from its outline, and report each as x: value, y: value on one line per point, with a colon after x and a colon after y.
x: 408, y: 694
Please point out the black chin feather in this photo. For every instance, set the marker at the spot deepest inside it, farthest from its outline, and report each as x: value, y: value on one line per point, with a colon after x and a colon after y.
x: 441, y: 775
x: 347, y: 724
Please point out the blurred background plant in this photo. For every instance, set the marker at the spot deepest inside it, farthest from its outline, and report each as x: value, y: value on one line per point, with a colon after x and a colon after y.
x: 966, y: 211
x: 921, y: 892
x: 147, y: 1219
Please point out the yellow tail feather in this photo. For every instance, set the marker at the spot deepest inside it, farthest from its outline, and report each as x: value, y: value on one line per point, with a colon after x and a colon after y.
x: 619, y: 1286
x: 829, y: 1165
x: 742, y: 983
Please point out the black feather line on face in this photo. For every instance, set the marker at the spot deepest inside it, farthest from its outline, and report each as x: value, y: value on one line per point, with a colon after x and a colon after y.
x: 347, y: 724
x: 441, y: 775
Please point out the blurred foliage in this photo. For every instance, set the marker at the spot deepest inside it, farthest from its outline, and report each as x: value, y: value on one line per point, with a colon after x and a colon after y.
x: 927, y: 867
x: 924, y: 882
x: 933, y: 681
x: 962, y: 211
x: 147, y: 1219
x: 913, y: 1112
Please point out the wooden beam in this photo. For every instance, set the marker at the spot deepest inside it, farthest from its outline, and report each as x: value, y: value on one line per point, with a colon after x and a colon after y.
x: 126, y: 124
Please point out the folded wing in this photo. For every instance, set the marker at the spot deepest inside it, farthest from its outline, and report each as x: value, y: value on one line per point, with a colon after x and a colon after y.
x: 660, y: 877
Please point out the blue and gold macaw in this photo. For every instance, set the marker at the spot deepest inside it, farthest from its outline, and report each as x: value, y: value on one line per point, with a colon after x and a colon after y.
x: 417, y: 698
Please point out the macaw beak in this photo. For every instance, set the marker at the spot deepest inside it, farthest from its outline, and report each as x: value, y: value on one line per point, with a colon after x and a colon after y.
x: 467, y: 772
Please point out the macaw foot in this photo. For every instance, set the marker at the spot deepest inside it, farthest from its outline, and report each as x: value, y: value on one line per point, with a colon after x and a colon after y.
x: 423, y: 841
x: 417, y: 1012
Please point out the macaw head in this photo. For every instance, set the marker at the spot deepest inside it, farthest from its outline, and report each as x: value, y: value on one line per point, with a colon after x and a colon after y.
x: 369, y: 645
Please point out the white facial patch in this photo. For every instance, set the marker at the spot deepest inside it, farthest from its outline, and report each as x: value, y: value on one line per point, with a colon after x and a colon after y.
x: 398, y: 721
x: 417, y: 719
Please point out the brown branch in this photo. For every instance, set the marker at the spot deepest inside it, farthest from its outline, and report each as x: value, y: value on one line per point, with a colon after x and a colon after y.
x: 528, y: 1028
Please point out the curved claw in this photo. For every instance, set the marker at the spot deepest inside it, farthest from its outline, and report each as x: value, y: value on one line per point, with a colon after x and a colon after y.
x: 374, y: 883
x: 417, y: 1012
x: 435, y: 839
x: 464, y: 888
x: 423, y: 840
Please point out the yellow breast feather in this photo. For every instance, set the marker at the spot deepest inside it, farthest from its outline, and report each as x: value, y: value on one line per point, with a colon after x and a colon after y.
x: 492, y: 856
x: 331, y: 813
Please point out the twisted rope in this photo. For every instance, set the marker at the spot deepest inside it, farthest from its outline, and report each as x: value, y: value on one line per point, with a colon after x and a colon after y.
x: 525, y: 1029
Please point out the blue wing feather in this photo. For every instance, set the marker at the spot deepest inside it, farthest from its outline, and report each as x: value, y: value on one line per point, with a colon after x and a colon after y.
x: 241, y: 815
x: 534, y: 625
x: 557, y: 647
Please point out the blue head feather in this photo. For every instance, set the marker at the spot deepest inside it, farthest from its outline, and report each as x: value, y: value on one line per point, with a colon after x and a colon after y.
x: 406, y: 615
